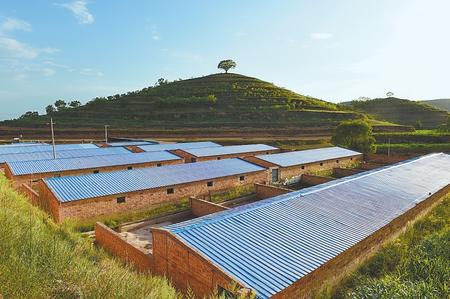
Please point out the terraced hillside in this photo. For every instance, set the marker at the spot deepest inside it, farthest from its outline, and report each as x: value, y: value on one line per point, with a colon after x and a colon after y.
x: 402, y: 111
x: 443, y: 104
x: 219, y: 100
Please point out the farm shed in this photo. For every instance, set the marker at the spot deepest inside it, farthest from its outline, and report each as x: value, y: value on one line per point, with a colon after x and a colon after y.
x: 88, y: 196
x: 224, y: 152
x: 127, y: 143
x: 45, y: 148
x: 290, y: 165
x: 173, y: 146
x: 291, y: 245
x: 26, y: 171
x: 62, y: 154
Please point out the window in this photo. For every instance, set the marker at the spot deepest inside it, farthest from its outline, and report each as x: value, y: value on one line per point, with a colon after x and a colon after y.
x: 267, y: 153
x: 130, y: 167
x: 210, y: 183
x: 193, y: 160
x: 303, y: 166
x: 321, y: 164
x: 158, y: 165
x: 351, y: 158
x: 337, y: 161
x: 170, y: 191
x: 218, y: 158
x: 121, y: 199
x: 96, y: 171
x: 242, y: 178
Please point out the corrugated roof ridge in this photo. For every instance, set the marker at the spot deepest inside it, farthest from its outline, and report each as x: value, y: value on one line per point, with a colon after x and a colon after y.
x: 289, y: 196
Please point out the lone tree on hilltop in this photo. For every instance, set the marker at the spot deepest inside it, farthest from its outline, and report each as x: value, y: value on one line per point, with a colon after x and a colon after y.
x: 226, y: 65
x: 389, y: 94
x: 356, y: 135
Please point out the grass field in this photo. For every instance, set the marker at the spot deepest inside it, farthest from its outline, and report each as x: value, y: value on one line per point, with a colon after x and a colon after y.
x: 41, y: 260
x: 421, y: 148
x: 415, y: 265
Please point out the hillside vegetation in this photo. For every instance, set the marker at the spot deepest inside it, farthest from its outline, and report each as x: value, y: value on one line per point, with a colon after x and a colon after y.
x: 41, y: 260
x: 443, y: 104
x: 219, y: 100
x: 415, y: 265
x: 402, y: 111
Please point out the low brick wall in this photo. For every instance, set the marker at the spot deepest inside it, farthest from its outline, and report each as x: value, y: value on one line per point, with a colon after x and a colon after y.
x: 312, y: 180
x: 32, y: 195
x: 371, y: 165
x: 200, y: 207
x: 267, y: 191
x: 119, y: 247
x: 343, y: 172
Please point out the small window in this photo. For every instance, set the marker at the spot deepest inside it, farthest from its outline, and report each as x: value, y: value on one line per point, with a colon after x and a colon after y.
x: 267, y: 153
x: 210, y: 183
x: 218, y: 158
x: 193, y: 160
x: 96, y: 171
x: 170, y: 191
x: 321, y: 164
x: 303, y: 166
x: 158, y: 165
x: 130, y: 167
x: 242, y: 178
x: 337, y: 161
x: 121, y: 199
x: 351, y: 158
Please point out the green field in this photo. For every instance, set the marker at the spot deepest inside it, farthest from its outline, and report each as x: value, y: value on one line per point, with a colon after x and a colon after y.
x: 415, y: 265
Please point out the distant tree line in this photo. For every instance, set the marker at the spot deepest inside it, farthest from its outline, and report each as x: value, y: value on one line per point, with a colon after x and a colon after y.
x: 61, y: 105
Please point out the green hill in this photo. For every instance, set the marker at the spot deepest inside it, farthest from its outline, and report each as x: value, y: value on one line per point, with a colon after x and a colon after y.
x: 402, y: 111
x: 219, y: 100
x: 443, y: 104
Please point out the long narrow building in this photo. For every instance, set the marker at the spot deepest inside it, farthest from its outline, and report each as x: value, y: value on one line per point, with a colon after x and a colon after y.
x: 291, y: 245
x: 45, y: 148
x: 173, y: 146
x: 88, y: 196
x: 26, y: 171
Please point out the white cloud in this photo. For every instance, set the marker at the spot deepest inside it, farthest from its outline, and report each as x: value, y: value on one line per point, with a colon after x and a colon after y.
x: 50, y: 50
x: 80, y: 11
x: 320, y: 35
x: 12, y: 47
x: 155, y: 34
x: 47, y: 72
x: 91, y: 72
x: 12, y: 24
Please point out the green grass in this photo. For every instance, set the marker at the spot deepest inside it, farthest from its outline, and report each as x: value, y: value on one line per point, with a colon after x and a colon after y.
x: 415, y: 265
x: 430, y: 132
x: 39, y: 259
x: 421, y: 148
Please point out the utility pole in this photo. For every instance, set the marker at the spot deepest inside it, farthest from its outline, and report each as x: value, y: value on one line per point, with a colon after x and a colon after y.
x: 53, y: 137
x: 389, y: 148
x: 106, y: 133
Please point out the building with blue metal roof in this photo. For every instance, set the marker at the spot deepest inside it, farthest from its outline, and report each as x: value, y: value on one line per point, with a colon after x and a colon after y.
x: 85, y: 196
x: 289, y: 166
x: 24, y: 171
x: 225, y: 152
x: 129, y: 143
x: 175, y: 146
x: 291, y: 245
x: 45, y: 148
x: 45, y: 155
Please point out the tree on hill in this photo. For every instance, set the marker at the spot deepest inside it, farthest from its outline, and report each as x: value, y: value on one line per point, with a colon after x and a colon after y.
x: 356, y: 135
x: 50, y: 109
x: 226, y: 65
x: 60, y: 105
x: 74, y: 104
x: 389, y: 94
x: 29, y: 114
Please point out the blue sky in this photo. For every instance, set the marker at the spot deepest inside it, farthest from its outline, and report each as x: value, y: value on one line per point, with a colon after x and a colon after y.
x: 334, y: 50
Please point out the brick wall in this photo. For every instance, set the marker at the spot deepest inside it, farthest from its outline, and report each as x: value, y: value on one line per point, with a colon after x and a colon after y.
x: 118, y: 246
x: 312, y: 180
x: 267, y: 191
x: 33, y: 178
x: 32, y: 195
x: 200, y: 207
x: 107, y: 205
x: 184, y: 266
x: 48, y: 202
x: 331, y: 273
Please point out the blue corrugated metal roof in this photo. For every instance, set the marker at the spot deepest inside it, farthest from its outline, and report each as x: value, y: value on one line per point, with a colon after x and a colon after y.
x: 21, y: 144
x: 308, y: 156
x: 42, y: 166
x: 72, y: 188
x: 45, y: 148
x: 227, y: 150
x: 62, y: 154
x: 269, y: 245
x: 129, y: 143
x: 175, y: 146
